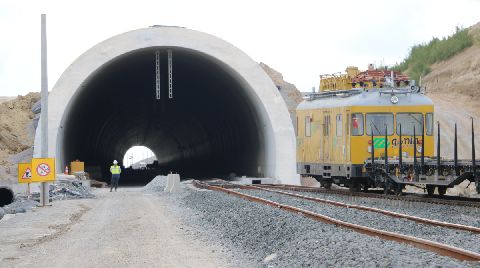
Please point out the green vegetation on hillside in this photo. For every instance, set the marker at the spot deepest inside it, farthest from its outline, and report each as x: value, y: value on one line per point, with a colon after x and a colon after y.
x: 422, y: 56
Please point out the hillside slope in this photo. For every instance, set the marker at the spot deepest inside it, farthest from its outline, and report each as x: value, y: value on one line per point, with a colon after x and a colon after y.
x: 17, y: 131
x: 291, y: 95
x: 454, y: 86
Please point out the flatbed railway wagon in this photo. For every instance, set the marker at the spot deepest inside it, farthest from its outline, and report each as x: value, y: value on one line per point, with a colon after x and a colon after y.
x: 388, y: 119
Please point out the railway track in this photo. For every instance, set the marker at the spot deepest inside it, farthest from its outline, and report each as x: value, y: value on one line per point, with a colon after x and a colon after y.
x: 381, y: 211
x: 439, y: 248
x: 445, y: 200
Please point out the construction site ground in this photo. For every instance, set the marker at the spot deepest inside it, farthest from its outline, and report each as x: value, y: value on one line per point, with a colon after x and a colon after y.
x: 118, y: 229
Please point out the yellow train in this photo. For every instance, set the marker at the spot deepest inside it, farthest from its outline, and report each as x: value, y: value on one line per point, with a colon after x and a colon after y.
x: 334, y: 132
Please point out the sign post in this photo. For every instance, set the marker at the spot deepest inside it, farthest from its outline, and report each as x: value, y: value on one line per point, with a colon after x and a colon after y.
x: 44, y: 189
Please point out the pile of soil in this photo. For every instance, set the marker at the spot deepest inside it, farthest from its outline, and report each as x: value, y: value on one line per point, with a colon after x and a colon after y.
x: 17, y: 132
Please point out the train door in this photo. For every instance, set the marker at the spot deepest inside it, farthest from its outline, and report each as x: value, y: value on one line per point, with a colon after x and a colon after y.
x: 321, y: 146
x: 320, y: 137
x: 347, y: 137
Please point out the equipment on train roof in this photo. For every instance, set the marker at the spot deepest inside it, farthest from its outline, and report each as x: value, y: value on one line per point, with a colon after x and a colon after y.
x: 371, y: 78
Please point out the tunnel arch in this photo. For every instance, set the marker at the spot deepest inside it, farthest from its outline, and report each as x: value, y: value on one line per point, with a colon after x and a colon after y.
x: 226, y: 114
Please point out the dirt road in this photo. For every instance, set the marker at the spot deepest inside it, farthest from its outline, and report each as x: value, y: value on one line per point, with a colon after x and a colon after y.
x: 123, y: 229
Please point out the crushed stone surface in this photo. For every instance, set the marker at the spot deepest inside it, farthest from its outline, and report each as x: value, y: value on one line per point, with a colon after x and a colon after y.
x: 448, y: 213
x: 157, y: 184
x: 453, y: 237
x: 257, y: 235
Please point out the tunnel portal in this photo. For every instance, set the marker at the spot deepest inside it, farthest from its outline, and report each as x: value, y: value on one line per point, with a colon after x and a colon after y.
x: 224, y: 115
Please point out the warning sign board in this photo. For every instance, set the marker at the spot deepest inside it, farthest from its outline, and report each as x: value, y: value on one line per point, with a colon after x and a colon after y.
x: 24, y: 172
x: 43, y: 169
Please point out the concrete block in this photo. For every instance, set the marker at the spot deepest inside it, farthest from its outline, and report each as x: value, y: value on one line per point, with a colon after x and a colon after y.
x: 168, y: 185
x: 173, y: 183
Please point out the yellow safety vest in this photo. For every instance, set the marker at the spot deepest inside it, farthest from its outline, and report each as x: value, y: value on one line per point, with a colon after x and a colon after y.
x: 115, y: 169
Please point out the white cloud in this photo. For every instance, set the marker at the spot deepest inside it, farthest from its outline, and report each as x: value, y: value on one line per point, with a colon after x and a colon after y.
x: 301, y: 39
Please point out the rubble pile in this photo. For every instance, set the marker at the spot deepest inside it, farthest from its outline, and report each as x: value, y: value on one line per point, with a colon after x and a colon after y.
x: 156, y: 185
x: 21, y: 205
x: 69, y: 189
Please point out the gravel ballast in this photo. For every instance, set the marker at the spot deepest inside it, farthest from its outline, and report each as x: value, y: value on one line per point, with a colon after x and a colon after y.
x: 157, y: 184
x: 458, y: 238
x: 262, y: 236
x: 449, y: 213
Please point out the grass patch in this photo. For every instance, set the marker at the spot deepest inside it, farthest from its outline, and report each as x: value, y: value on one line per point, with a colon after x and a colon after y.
x: 422, y: 56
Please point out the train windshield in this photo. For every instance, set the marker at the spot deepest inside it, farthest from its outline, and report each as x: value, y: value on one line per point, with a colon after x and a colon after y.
x: 410, y: 121
x: 379, y: 122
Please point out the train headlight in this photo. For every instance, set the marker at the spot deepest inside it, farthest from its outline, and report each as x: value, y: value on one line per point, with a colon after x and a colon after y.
x: 394, y: 99
x: 419, y: 149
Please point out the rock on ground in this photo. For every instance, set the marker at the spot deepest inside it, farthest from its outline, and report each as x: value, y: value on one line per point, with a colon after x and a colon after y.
x: 20, y: 205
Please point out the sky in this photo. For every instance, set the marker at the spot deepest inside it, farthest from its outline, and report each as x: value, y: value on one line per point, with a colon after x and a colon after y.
x: 136, y: 154
x: 301, y: 39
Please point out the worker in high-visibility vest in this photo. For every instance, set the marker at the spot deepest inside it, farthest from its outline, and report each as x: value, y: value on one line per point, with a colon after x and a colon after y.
x: 115, y: 170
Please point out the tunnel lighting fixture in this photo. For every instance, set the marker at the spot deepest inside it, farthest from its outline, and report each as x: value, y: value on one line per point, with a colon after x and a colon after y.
x: 170, y: 82
x: 157, y: 74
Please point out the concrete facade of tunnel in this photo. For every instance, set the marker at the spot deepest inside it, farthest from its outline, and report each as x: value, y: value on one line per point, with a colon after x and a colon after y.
x: 278, y: 147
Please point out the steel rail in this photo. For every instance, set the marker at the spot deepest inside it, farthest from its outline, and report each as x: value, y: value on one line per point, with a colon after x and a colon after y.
x: 475, y: 203
x: 441, y: 249
x: 377, y: 210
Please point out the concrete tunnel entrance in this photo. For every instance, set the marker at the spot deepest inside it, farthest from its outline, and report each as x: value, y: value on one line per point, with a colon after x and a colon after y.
x: 208, y: 129
x: 217, y: 123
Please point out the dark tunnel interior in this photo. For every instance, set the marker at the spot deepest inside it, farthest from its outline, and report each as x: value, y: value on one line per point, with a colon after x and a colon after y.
x: 210, y: 128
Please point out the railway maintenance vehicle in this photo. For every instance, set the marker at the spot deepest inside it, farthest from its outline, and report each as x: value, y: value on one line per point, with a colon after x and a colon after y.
x: 375, y: 129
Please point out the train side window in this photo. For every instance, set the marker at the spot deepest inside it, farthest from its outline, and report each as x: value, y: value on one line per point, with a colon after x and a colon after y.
x: 378, y: 121
x: 326, y: 124
x: 429, y: 124
x: 338, y: 125
x: 357, y: 124
x: 308, y: 125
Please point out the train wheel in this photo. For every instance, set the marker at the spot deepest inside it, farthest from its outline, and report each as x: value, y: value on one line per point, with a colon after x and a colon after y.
x: 365, y: 187
x: 386, y: 189
x: 355, y: 187
x: 442, y: 190
x: 430, y: 190
x: 399, y: 189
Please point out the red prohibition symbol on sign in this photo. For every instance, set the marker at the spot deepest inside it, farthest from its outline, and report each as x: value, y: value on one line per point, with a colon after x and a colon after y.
x: 43, y: 169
